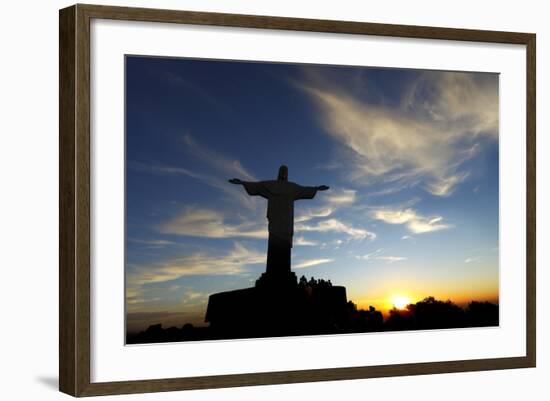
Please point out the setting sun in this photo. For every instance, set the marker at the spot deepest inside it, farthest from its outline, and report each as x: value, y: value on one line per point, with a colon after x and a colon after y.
x: 400, y: 301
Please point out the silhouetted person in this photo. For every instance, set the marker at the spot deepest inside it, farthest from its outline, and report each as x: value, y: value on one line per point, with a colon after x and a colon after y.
x: 280, y: 194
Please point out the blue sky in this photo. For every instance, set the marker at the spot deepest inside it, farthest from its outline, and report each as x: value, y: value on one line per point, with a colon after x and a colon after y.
x: 411, y: 158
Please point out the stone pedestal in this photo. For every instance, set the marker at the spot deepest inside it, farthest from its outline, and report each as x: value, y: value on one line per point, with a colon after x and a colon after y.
x: 278, y: 306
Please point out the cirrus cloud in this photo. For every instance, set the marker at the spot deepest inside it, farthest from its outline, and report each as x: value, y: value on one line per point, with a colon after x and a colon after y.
x: 378, y: 255
x: 425, y: 139
x: 233, y: 262
x: 207, y: 223
x: 311, y: 262
x: 334, y: 225
x: 415, y: 222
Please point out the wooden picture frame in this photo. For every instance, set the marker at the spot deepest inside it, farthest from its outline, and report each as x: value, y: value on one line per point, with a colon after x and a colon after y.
x: 74, y: 200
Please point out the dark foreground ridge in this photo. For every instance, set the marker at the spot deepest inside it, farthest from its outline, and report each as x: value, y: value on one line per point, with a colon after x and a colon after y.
x: 280, y: 305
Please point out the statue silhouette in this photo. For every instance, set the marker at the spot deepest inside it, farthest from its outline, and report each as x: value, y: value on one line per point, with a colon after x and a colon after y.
x: 280, y: 195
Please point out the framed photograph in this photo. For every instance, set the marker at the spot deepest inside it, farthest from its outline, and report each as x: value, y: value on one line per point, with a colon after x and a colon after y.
x: 250, y: 200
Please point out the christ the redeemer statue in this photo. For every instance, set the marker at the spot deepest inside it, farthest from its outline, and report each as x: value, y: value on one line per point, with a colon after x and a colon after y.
x: 280, y: 195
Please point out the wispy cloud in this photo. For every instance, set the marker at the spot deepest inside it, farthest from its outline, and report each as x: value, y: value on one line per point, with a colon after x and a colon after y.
x: 378, y: 255
x: 233, y: 262
x: 309, y: 214
x: 151, y: 243
x: 369, y: 256
x: 195, y: 89
x: 413, y: 220
x: 472, y: 260
x: 218, y: 169
x: 310, y: 263
x: 335, y: 225
x: 445, y: 186
x: 391, y: 259
x: 426, y: 139
x: 218, y: 161
x: 301, y: 241
x: 332, y: 201
x: 208, y: 223
x: 216, y: 181
x: 343, y: 197
x: 192, y: 297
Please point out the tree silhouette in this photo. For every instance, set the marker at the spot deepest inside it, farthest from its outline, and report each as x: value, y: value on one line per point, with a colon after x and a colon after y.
x: 315, y: 311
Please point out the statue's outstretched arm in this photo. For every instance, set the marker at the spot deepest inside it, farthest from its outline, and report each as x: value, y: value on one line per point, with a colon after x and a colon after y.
x: 260, y: 188
x: 302, y: 192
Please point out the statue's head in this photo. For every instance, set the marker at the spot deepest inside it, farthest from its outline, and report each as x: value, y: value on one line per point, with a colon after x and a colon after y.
x: 283, y: 173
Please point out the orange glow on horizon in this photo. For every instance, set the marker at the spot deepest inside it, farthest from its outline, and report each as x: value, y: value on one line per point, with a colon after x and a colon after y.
x: 400, y: 301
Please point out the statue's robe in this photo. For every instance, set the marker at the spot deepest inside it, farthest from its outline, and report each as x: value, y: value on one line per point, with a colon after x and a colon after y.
x: 280, y: 195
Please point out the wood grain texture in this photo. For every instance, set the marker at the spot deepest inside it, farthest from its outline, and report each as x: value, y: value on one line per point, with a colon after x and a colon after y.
x: 82, y: 193
x: 301, y: 376
x: 74, y: 199
x: 67, y: 295
x: 301, y: 24
x: 531, y: 202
